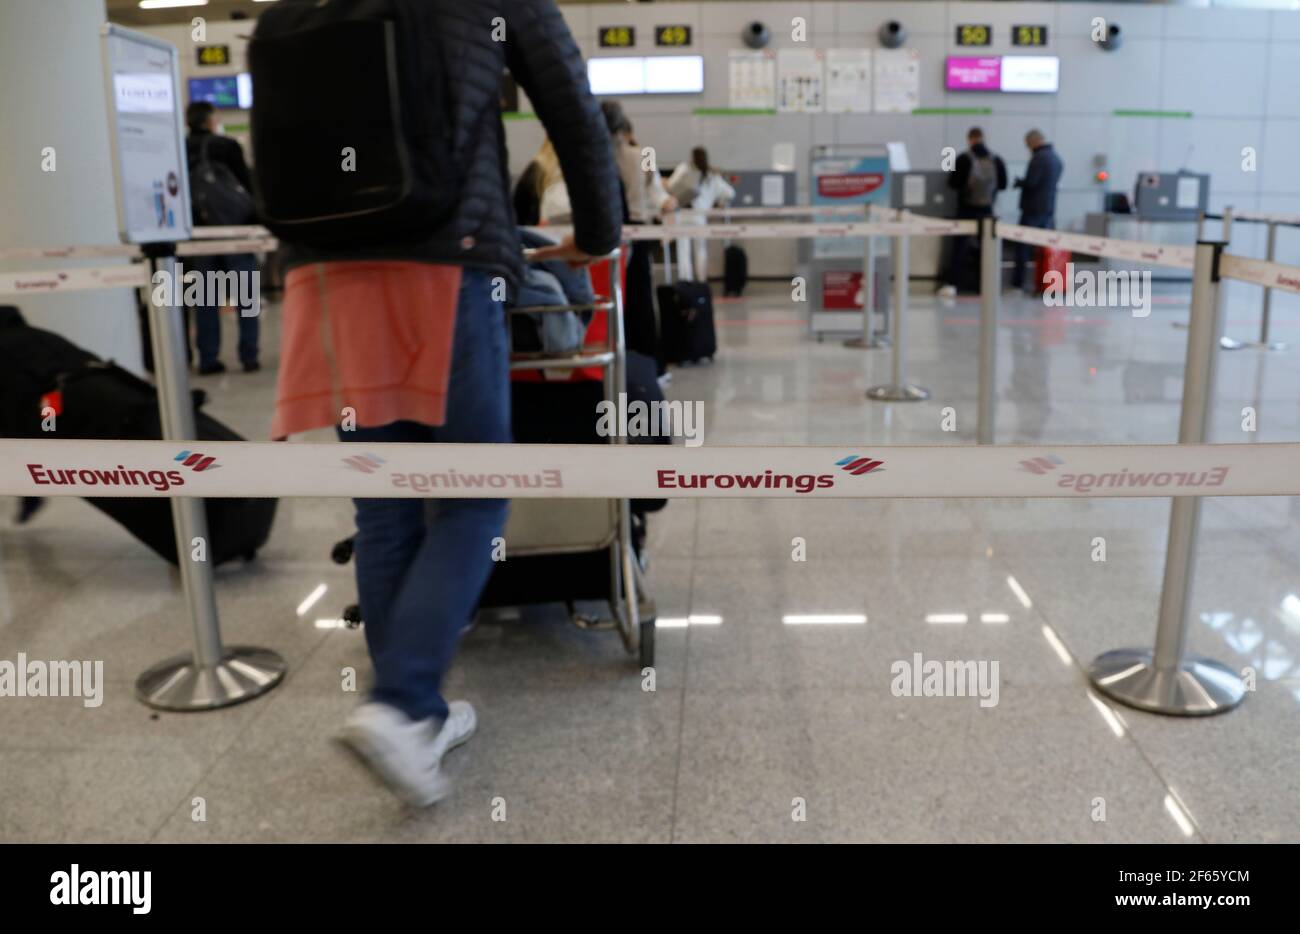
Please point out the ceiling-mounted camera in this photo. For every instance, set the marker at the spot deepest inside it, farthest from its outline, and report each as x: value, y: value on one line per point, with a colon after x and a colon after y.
x: 892, y: 34
x: 1112, y: 39
x: 756, y: 35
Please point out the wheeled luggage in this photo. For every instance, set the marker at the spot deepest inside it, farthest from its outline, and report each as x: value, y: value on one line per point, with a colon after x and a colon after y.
x: 686, y: 321
x: 102, y: 401
x: 1050, y: 260
x: 735, y: 270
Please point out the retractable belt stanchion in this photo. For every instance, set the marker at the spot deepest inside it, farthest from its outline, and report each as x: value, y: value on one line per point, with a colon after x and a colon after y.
x: 990, y: 302
x: 899, y: 390
x: 1266, y: 313
x: 1226, y: 342
x: 1166, y: 679
x: 871, y: 339
x: 213, y: 675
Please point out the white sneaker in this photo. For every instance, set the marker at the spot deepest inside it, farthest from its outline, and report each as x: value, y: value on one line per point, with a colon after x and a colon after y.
x: 947, y: 291
x: 404, y: 752
x: 459, y: 726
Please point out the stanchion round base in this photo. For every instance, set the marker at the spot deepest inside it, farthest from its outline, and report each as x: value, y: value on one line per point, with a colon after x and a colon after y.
x: 178, y: 684
x: 897, y: 393
x: 861, y: 343
x: 1265, y: 345
x: 1200, y: 686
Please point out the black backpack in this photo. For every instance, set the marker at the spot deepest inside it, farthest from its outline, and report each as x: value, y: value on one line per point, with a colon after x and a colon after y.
x: 216, y: 197
x: 351, y: 123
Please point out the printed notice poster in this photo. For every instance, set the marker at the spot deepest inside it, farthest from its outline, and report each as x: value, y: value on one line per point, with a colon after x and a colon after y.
x: 800, y: 81
x: 913, y: 191
x: 860, y: 179
x: 753, y: 80
x: 148, y: 146
x: 773, y: 191
x: 897, y: 80
x: 1188, y: 194
x: 848, y: 81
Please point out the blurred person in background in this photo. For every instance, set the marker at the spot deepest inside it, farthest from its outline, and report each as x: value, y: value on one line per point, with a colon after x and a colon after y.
x: 699, y: 186
x: 1037, y: 196
x: 220, y: 184
x: 645, y: 201
x: 977, y: 177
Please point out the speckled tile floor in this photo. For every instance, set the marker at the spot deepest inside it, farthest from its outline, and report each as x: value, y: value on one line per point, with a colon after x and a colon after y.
x: 754, y: 720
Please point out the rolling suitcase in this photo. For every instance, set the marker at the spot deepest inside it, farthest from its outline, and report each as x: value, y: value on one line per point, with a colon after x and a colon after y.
x: 102, y: 401
x: 686, y: 319
x: 1049, y: 259
x: 735, y: 270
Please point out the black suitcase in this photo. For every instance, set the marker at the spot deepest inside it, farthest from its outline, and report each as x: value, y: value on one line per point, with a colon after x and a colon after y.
x: 102, y: 401
x: 735, y: 270
x: 686, y: 321
x: 31, y: 360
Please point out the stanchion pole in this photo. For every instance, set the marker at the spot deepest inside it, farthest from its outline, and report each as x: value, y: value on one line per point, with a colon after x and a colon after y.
x: 213, y: 675
x: 870, y: 339
x: 1226, y: 342
x: 1266, y: 313
x: 990, y: 302
x: 899, y: 390
x: 1168, y: 680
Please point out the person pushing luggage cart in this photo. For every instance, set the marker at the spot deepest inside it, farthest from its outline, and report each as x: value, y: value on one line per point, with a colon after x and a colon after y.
x: 399, y: 259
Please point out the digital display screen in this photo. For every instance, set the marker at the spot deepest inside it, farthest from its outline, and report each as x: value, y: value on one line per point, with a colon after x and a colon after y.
x: 228, y: 92
x: 660, y: 74
x: 1017, y: 74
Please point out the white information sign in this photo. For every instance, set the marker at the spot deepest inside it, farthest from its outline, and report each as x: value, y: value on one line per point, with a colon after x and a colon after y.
x: 142, y: 85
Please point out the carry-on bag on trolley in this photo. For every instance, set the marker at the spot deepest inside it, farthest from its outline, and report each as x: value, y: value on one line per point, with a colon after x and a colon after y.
x: 102, y: 401
x: 573, y: 550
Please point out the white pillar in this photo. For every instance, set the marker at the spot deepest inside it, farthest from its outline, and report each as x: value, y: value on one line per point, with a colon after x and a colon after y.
x: 52, y: 95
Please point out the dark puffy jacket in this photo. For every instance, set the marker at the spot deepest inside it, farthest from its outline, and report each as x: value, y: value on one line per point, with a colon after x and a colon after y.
x: 1038, y: 188
x: 544, y: 60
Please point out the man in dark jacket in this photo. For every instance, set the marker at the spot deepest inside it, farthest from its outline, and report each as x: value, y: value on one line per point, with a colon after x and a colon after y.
x: 205, y: 143
x: 977, y: 177
x: 1037, y: 196
x: 420, y: 573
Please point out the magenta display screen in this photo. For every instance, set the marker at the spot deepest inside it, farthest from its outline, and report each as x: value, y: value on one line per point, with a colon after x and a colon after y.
x: 1030, y: 74
x: 974, y: 73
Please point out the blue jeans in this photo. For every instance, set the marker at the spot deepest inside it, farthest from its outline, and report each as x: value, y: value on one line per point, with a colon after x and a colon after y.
x: 421, y: 566
x: 1047, y: 222
x: 207, y: 323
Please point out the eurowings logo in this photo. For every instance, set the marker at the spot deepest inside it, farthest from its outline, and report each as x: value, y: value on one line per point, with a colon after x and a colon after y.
x: 858, y: 465
x: 365, y: 463
x: 196, y: 461
x: 1041, y: 465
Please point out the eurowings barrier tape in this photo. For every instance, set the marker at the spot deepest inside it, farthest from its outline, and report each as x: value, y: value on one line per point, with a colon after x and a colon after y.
x: 1260, y: 271
x: 1182, y: 257
x: 912, y: 228
x: 864, y: 471
x: 829, y: 210
x: 37, y: 282
x: 1292, y: 220
x: 124, y: 250
x: 213, y: 247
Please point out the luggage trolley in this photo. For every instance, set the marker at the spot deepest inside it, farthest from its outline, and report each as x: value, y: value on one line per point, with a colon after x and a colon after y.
x: 567, y: 550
